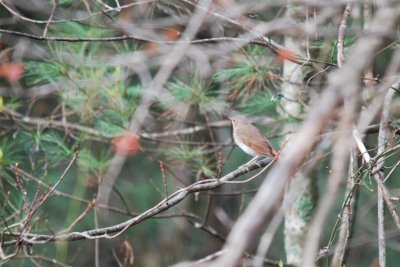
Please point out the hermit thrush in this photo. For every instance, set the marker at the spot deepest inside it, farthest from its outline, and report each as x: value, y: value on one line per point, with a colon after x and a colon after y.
x: 250, y: 139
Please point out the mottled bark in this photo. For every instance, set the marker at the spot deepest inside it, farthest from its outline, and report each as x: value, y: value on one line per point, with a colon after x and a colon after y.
x: 300, y: 195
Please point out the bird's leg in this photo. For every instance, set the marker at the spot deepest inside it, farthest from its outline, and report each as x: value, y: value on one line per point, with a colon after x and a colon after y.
x: 253, y: 159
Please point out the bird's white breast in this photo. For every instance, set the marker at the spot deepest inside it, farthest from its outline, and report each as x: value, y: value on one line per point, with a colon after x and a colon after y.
x: 244, y: 147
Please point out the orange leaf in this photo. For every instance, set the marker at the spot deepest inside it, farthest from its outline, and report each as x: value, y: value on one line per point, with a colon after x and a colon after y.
x: 224, y: 2
x: 151, y: 48
x: 172, y: 33
x: 11, y: 71
x: 126, y: 144
x: 285, y: 54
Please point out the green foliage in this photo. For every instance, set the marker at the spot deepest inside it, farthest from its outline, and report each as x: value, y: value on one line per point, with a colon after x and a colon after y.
x: 196, y: 157
x: 64, y: 3
x: 348, y: 45
x: 54, y: 146
x: 10, y: 152
x: 13, y: 103
x: 195, y: 93
x: 43, y: 72
x: 75, y: 29
x: 99, y: 93
x: 45, y: 147
x: 95, y: 86
x: 117, y: 107
x: 109, y: 128
x: 89, y: 162
x: 119, y: 104
x: 250, y: 74
x: 320, y: 45
x: 260, y: 103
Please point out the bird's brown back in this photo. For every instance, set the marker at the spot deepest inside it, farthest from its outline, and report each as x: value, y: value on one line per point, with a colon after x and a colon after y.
x: 252, y: 137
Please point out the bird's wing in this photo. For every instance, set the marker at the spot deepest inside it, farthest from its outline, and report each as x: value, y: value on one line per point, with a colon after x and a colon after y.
x: 257, y: 142
x: 265, y: 148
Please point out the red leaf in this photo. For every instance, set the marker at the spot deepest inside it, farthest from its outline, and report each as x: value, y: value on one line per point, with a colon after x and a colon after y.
x: 11, y: 71
x: 126, y: 144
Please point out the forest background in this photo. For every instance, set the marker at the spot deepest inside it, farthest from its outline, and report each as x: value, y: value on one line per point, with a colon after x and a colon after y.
x: 116, y: 147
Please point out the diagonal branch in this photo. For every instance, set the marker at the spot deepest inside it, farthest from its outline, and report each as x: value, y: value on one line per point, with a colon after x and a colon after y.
x: 165, y: 204
x: 378, y: 178
x: 343, y: 83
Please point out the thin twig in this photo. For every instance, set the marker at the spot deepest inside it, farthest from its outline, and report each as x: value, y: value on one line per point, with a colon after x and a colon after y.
x: 345, y: 230
x: 81, y: 216
x: 383, y: 137
x: 165, y: 204
x: 341, y: 35
x: 53, y: 9
x: 377, y: 177
x: 274, y: 47
x: 347, y: 214
x: 343, y: 84
x: 21, y: 17
x: 51, y: 190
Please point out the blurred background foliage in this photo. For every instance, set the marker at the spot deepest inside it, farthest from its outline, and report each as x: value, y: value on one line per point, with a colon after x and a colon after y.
x: 92, y: 89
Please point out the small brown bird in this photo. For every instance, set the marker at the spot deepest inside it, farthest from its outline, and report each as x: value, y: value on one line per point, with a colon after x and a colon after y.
x: 250, y: 139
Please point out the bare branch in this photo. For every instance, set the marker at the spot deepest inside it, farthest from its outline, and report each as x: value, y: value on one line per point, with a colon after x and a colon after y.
x: 347, y: 214
x: 165, y: 204
x: 378, y: 179
x: 383, y: 137
x: 341, y: 36
x: 345, y: 81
